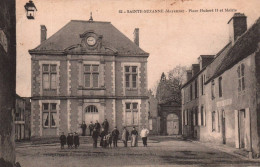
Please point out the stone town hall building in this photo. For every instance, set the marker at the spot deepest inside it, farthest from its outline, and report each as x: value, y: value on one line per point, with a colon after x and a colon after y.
x: 87, y: 71
x: 221, y: 99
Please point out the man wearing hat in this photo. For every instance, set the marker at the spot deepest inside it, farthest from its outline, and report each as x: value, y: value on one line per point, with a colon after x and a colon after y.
x: 115, y: 134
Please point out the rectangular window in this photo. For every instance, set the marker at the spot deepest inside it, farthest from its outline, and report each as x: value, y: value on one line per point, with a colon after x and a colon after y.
x: 49, y: 75
x: 87, y: 80
x: 186, y: 117
x: 91, y: 76
x: 212, y: 89
x: 49, y: 115
x: 213, y: 121
x: 202, y: 85
x: 220, y: 86
x: 53, y: 81
x: 95, y: 80
x: 241, y: 77
x: 196, y: 88
x: 131, y: 113
x: 53, y: 119
x: 45, y: 119
x: 202, y: 115
x: 150, y: 124
x: 46, y: 81
x: 190, y: 92
x: 196, y: 117
x: 131, y: 76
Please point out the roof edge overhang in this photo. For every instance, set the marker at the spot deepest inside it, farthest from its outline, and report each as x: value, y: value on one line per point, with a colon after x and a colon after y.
x: 49, y: 52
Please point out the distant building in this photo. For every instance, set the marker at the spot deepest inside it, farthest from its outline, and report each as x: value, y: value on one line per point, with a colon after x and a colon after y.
x: 170, y: 118
x: 154, y: 119
x: 88, y: 71
x: 221, y: 101
x: 22, y: 118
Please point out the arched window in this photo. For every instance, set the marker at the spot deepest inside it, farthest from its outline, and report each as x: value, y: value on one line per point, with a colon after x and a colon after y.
x: 91, y: 109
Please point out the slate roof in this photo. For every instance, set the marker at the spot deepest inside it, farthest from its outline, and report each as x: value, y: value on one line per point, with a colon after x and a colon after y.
x: 70, y: 35
x: 230, y: 55
x: 211, y: 67
x: 243, y: 47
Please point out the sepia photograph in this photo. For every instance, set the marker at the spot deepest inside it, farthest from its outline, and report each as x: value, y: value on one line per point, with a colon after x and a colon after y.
x: 129, y: 83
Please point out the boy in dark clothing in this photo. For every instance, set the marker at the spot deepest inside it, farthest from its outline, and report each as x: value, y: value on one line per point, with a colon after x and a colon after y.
x: 83, y: 127
x: 105, y: 125
x: 134, y: 137
x: 115, y: 134
x: 102, y: 136
x: 95, y: 137
x: 62, y: 140
x: 70, y: 140
x: 97, y: 126
x: 91, y: 128
x: 76, y: 140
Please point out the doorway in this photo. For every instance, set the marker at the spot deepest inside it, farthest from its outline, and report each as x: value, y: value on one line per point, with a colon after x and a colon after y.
x: 242, y: 128
x: 172, y: 124
x: 223, y: 127
x: 91, y: 114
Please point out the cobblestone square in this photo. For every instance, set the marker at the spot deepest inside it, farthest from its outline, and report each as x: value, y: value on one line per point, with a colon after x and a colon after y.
x: 161, y: 151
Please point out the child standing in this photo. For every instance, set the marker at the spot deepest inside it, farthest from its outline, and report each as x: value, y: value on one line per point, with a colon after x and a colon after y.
x: 109, y: 138
x: 70, y: 140
x: 62, y: 140
x: 76, y: 140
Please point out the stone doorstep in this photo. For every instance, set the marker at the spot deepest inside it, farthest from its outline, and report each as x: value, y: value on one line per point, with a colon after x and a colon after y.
x: 242, y: 154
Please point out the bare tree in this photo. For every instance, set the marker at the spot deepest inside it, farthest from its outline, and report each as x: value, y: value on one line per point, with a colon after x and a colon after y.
x: 169, y: 89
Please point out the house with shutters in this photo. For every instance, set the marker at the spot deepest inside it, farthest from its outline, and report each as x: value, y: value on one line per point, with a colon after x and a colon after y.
x: 220, y: 100
x: 87, y: 71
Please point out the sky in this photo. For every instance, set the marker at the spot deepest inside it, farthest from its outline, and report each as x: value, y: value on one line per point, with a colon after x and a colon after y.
x: 171, y: 38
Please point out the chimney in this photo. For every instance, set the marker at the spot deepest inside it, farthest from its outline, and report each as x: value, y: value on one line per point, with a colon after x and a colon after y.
x: 136, y: 36
x: 237, y: 26
x: 43, y: 33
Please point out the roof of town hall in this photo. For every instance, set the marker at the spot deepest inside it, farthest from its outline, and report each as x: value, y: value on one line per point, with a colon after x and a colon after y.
x: 69, y: 35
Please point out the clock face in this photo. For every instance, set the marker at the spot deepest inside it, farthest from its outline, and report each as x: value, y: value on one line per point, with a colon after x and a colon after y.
x: 91, y: 41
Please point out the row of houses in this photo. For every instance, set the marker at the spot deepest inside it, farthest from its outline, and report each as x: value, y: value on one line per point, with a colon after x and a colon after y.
x: 220, y: 100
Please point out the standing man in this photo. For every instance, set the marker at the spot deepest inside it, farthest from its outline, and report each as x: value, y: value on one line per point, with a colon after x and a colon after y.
x: 105, y: 125
x: 125, y: 135
x: 83, y: 127
x: 134, y: 136
x: 95, y: 137
x: 115, y: 134
x: 91, y: 128
x: 144, y: 133
x: 97, y: 126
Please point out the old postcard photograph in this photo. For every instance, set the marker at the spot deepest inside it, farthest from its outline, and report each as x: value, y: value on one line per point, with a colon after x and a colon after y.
x: 129, y: 83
